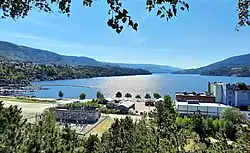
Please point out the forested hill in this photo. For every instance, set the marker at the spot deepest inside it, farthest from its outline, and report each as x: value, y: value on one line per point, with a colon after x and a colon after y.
x: 239, y: 72
x: 21, y: 74
x: 22, y: 53
x: 242, y: 61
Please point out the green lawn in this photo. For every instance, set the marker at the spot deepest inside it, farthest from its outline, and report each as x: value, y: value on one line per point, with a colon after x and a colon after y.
x: 102, y: 127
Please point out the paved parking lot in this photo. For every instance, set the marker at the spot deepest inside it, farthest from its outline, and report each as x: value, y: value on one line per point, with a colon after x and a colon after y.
x: 140, y: 107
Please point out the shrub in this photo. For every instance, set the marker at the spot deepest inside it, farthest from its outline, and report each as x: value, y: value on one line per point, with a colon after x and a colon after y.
x: 82, y: 96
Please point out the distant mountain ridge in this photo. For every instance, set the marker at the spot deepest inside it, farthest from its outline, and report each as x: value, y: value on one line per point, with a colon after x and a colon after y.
x: 23, y: 53
x: 13, y: 51
x: 241, y: 61
x: 153, y: 68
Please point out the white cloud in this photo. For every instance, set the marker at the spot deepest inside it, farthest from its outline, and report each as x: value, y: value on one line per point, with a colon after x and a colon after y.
x: 143, y: 18
x: 47, y: 25
x: 140, y: 40
x: 27, y: 36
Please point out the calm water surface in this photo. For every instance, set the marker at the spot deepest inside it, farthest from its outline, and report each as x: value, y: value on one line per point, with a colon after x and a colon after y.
x: 161, y: 83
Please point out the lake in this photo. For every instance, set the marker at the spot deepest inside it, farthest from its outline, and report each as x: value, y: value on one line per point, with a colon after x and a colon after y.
x: 161, y: 83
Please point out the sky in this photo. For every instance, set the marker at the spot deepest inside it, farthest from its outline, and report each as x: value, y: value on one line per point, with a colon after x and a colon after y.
x: 198, y: 37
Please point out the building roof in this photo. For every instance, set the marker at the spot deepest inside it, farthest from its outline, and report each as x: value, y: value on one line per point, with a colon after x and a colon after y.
x: 242, y: 86
x: 193, y: 94
x: 127, y: 104
x: 238, y: 86
x: 201, y: 104
x: 88, y: 108
x: 159, y: 99
x: 109, y: 99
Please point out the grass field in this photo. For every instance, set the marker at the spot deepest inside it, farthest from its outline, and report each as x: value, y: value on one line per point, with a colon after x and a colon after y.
x: 25, y: 100
x: 102, y: 127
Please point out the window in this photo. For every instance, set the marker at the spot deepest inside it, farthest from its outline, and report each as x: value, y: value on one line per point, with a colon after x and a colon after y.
x: 192, y: 108
x: 202, y: 108
x: 212, y: 109
x: 182, y: 107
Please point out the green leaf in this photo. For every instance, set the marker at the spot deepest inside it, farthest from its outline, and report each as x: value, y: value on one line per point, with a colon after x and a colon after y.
x: 159, y: 12
x: 124, y: 19
x: 130, y: 23
x: 135, y: 26
x: 124, y: 11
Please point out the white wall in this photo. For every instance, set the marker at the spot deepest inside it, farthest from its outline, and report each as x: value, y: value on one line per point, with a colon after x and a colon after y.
x: 242, y: 97
x: 218, y: 93
x: 206, y: 110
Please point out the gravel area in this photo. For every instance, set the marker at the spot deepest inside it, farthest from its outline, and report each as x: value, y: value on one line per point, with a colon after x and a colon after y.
x: 29, y: 109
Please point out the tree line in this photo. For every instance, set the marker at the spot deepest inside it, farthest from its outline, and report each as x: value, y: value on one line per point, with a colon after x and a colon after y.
x: 147, y: 95
x: 21, y: 74
x: 160, y: 132
x: 100, y: 95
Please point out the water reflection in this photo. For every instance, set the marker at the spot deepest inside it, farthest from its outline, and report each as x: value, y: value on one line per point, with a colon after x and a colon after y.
x: 161, y: 83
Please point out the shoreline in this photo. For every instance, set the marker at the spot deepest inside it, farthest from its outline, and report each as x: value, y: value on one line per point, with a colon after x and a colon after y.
x: 38, y: 100
x: 198, y: 74
x: 20, y: 90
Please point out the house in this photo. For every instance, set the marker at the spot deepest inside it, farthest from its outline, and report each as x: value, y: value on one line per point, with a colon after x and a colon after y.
x: 125, y: 106
x: 111, y: 105
x: 81, y: 115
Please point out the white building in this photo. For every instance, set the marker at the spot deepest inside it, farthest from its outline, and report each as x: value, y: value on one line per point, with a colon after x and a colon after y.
x: 209, y: 109
x: 237, y: 95
x: 242, y: 96
x: 224, y: 93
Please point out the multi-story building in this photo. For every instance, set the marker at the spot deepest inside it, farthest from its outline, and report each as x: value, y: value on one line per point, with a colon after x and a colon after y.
x: 242, y: 95
x: 81, y: 115
x: 219, y: 96
x: 200, y: 97
x: 223, y: 93
x: 237, y: 95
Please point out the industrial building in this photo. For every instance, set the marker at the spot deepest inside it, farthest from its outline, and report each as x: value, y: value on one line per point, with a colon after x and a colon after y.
x: 200, y: 97
x: 237, y: 95
x: 81, y: 115
x: 191, y: 107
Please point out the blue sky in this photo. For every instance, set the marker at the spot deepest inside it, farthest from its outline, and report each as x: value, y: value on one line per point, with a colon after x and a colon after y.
x: 195, y: 38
